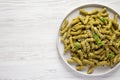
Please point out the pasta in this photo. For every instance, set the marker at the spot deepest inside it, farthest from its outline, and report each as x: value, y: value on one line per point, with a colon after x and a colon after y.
x: 70, y: 60
x: 80, y: 67
x: 95, y: 11
x: 93, y: 39
x: 77, y: 60
x: 91, y: 69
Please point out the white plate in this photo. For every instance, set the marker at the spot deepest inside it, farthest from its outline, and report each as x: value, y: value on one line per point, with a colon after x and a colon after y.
x: 99, y: 71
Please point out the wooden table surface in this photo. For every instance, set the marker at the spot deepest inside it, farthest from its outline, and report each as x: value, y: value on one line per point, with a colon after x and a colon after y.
x: 28, y: 33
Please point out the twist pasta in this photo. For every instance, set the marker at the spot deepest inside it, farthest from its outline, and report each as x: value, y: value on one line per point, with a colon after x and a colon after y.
x: 95, y: 11
x: 70, y: 60
x: 65, y: 23
x: 79, y: 68
x: 102, y: 63
x: 88, y: 62
x: 93, y: 40
x: 91, y: 69
x: 77, y: 60
x: 83, y: 12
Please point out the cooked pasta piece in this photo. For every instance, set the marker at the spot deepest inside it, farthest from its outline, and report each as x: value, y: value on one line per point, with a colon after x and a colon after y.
x: 71, y: 43
x: 86, y: 20
x: 80, y: 36
x: 95, y: 11
x: 79, y: 68
x: 66, y: 49
x: 104, y: 14
x: 75, y: 21
x: 81, y: 54
x: 65, y: 23
x: 75, y: 33
x: 102, y: 63
x: 81, y: 19
x: 116, y: 17
x: 65, y: 42
x: 103, y: 10
x: 77, y: 60
x: 64, y: 30
x: 91, y: 69
x: 98, y: 51
x: 114, y: 49
x: 83, y: 45
x: 115, y: 24
x: 70, y: 60
x: 94, y: 60
x: 88, y: 62
x: 82, y: 11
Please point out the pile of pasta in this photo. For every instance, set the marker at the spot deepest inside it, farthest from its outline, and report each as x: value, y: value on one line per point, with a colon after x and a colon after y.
x: 93, y: 39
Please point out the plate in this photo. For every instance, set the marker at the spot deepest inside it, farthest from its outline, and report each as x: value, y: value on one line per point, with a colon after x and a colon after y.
x: 99, y: 71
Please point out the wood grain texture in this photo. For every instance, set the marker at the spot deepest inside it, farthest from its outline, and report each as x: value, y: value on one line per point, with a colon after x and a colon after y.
x: 28, y: 32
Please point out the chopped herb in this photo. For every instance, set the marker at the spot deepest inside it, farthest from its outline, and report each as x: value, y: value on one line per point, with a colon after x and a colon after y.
x: 77, y: 45
x: 102, y: 19
x: 111, y: 55
x: 97, y: 39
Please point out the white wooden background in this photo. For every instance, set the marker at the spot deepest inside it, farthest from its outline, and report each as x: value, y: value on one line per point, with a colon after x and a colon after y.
x: 28, y: 32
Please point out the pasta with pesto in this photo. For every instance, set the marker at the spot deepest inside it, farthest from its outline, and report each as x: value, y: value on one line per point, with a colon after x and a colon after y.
x: 93, y: 39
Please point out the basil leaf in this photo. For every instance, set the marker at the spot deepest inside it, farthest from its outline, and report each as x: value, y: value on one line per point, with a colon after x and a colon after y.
x: 97, y: 39
x: 102, y: 19
x: 77, y: 45
x: 111, y: 55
